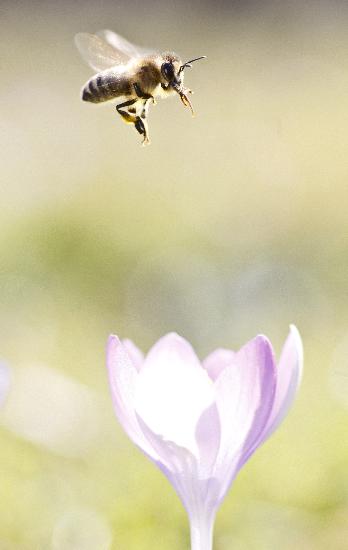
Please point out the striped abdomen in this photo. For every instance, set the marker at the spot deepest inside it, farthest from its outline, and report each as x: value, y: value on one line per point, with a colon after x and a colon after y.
x: 106, y: 85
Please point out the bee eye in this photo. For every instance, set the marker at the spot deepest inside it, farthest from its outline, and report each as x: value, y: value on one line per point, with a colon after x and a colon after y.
x: 168, y: 71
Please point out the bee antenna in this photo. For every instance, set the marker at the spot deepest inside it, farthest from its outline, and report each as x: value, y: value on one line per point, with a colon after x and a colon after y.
x: 188, y: 63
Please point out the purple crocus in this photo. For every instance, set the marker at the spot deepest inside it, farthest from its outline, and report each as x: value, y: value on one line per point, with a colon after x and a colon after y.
x: 201, y: 421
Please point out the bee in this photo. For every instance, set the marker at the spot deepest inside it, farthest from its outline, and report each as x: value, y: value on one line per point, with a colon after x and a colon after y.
x: 132, y: 74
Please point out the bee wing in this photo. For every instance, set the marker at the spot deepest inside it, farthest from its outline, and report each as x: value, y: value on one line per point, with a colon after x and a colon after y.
x: 123, y: 46
x: 99, y: 54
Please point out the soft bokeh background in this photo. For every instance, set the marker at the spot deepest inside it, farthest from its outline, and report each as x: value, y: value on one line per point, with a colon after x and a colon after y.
x: 229, y: 224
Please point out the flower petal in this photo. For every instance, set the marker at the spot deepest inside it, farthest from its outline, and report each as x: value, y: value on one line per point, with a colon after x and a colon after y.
x: 216, y: 361
x: 173, y: 390
x: 289, y: 375
x: 199, y: 495
x: 177, y: 463
x: 123, y: 378
x: 172, y: 348
x: 208, y: 434
x: 245, y: 395
x: 135, y: 354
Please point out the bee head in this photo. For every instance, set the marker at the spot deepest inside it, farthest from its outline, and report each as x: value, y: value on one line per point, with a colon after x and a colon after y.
x: 170, y: 69
x: 173, y: 71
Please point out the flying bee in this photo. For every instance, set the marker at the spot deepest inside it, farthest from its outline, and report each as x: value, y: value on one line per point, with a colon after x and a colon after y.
x: 131, y: 73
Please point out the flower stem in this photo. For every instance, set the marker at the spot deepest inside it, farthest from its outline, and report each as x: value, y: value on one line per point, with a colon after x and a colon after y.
x: 202, y: 533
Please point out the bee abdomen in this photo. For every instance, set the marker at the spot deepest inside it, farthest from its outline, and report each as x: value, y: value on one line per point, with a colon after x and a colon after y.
x: 94, y: 90
x: 103, y: 87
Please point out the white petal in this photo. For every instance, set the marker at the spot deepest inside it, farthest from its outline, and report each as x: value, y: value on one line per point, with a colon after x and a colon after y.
x: 172, y: 391
x: 123, y: 378
x: 208, y: 437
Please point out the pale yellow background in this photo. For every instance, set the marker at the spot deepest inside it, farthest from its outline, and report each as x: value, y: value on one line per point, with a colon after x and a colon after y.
x: 229, y: 224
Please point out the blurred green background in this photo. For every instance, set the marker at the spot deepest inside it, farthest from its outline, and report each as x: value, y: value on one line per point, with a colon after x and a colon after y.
x: 228, y: 225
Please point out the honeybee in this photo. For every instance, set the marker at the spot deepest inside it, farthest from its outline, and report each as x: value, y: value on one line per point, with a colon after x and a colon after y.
x: 132, y: 73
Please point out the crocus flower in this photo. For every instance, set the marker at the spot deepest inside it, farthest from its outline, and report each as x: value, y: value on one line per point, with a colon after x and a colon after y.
x: 201, y: 421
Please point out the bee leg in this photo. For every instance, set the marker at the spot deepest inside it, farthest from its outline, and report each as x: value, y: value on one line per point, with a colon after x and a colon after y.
x: 143, y: 95
x: 127, y: 117
x: 131, y: 117
x: 141, y: 127
x: 143, y: 119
